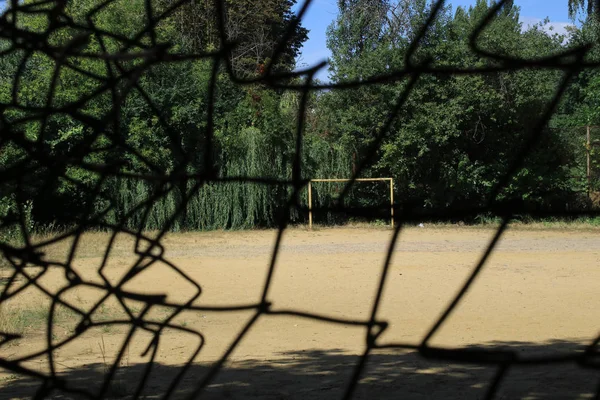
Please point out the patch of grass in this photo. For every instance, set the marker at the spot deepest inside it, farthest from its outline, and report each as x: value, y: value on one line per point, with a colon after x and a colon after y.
x: 582, y: 223
x: 5, y: 270
x: 487, y: 219
x: 9, y: 378
x: 380, y: 222
x: 20, y: 320
x: 49, y: 230
x: 592, y: 221
x: 104, y: 314
x: 118, y: 388
x: 3, y: 281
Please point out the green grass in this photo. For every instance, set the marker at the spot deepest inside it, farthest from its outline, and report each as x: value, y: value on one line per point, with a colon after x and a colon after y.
x: 20, y: 320
x: 483, y: 222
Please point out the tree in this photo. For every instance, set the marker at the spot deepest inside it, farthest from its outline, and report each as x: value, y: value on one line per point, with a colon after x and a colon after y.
x: 161, y: 125
x: 256, y: 26
x: 590, y: 7
x: 453, y: 137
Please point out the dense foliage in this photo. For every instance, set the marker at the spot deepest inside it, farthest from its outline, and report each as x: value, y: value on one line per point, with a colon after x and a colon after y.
x: 447, y: 146
x: 454, y: 137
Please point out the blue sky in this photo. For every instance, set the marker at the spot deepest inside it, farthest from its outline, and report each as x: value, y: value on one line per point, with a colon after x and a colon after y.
x: 322, y: 12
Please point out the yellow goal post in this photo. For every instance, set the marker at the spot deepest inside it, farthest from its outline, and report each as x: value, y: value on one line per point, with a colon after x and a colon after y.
x: 391, y: 180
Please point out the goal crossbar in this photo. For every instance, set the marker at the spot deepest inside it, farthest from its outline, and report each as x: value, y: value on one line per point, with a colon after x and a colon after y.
x: 390, y: 180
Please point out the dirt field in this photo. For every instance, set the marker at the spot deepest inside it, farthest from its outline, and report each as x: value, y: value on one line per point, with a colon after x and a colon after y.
x: 537, y: 295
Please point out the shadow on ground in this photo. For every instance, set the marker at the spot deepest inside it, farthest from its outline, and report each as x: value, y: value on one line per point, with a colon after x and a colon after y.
x: 321, y: 374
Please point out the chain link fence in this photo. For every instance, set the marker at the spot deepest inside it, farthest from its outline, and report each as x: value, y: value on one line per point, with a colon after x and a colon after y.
x: 26, y: 261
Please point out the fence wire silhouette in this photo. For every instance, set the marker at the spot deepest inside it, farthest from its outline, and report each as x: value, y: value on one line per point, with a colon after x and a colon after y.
x: 150, y: 249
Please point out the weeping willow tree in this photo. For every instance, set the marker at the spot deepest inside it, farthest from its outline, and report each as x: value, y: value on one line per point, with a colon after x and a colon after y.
x: 236, y: 205
x: 590, y: 7
x: 254, y: 137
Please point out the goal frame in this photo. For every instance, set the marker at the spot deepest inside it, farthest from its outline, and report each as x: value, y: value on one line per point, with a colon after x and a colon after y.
x: 390, y: 180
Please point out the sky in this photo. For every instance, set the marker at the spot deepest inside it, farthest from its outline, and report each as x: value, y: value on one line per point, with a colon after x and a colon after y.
x: 322, y: 12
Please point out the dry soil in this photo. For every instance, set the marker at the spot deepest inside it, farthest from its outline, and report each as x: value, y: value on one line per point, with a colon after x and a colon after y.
x: 537, y: 295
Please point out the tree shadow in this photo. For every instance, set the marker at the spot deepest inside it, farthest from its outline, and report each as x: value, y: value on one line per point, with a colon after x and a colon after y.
x: 325, y: 374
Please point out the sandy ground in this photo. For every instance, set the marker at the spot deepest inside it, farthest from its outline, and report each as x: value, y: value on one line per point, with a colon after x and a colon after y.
x: 538, y: 295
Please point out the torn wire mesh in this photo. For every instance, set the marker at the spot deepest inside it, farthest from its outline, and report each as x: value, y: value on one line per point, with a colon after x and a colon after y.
x: 138, y: 55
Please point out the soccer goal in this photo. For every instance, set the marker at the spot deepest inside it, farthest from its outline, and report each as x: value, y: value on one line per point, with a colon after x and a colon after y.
x: 391, y: 181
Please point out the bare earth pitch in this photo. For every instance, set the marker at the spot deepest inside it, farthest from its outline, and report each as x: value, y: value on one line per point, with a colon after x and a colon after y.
x: 537, y: 294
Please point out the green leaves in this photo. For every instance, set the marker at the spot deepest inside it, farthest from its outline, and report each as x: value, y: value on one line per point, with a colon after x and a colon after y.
x: 448, y: 145
x: 453, y: 138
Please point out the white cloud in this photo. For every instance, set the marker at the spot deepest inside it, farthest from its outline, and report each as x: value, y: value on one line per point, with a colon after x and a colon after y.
x: 550, y: 27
